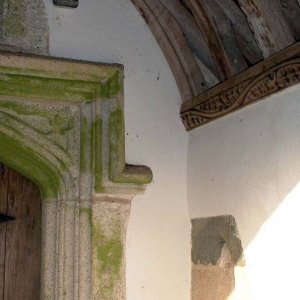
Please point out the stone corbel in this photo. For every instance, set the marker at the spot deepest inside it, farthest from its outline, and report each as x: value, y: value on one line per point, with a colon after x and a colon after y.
x: 62, y: 126
x: 216, y: 250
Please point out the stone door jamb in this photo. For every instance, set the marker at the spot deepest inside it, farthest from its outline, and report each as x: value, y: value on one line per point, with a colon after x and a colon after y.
x: 62, y: 126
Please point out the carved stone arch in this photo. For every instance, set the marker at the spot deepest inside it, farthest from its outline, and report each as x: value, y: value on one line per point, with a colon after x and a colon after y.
x: 62, y: 126
x: 25, y: 155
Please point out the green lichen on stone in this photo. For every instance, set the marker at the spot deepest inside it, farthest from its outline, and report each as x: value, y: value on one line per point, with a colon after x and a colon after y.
x: 116, y: 144
x: 88, y: 212
x: 119, y: 172
x: 85, y: 162
x: 46, y: 93
x: 47, y: 88
x: 14, y: 18
x: 113, y: 86
x: 97, y: 154
x: 57, y: 120
x: 38, y: 85
x: 74, y: 72
x: 56, y: 124
x: 31, y: 165
x: 109, y: 253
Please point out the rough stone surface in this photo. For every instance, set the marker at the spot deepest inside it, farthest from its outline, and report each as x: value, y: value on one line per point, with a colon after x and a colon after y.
x: 210, y: 235
x: 52, y: 112
x: 212, y: 282
x: 216, y: 249
x: 24, y: 26
x: 68, y: 124
x: 109, y: 218
x: 47, y: 136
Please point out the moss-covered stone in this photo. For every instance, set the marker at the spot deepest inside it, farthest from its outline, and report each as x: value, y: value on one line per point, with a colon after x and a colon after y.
x: 97, y: 154
x: 116, y: 144
x: 57, y: 119
x: 55, y: 127
x: 113, y: 86
x: 119, y: 172
x: 85, y: 162
x: 15, y: 83
x: 109, y: 253
x: 52, y: 126
x: 88, y: 212
x: 24, y: 160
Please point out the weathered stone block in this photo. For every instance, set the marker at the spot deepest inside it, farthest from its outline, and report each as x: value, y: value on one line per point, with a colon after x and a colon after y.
x: 209, y: 235
x: 216, y: 249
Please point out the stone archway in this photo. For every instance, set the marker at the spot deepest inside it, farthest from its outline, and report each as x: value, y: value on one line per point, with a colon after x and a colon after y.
x: 62, y: 126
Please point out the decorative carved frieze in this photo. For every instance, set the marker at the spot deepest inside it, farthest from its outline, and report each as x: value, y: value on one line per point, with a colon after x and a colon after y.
x: 277, y: 73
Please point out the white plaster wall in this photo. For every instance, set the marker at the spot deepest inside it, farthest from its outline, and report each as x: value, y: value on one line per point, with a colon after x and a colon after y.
x: 158, y: 245
x: 248, y: 164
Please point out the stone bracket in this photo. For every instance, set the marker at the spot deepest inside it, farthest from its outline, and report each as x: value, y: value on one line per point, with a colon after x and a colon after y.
x: 210, y: 235
x: 264, y: 79
x: 216, y: 250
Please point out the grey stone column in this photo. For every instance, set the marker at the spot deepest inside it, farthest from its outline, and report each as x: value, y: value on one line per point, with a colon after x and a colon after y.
x: 49, y: 236
x: 110, y: 216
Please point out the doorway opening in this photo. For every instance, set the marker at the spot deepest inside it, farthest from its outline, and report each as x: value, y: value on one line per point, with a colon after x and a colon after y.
x: 20, y: 236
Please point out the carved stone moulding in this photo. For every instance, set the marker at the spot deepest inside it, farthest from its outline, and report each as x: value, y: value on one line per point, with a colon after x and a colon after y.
x: 266, y: 78
x: 62, y: 126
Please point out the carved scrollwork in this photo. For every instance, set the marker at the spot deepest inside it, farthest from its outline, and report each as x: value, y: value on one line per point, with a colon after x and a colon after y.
x: 275, y: 80
x: 213, y: 107
x: 256, y: 88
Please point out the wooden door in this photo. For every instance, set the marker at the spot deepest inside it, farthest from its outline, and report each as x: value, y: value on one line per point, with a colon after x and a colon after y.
x: 20, y: 239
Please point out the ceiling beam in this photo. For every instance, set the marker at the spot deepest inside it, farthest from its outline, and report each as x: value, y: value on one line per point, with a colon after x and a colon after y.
x: 192, y: 32
x: 291, y: 10
x: 174, y: 45
x: 269, y: 25
x: 224, y: 28
x: 181, y: 46
x: 219, y: 36
x: 167, y: 48
x: 242, y: 30
x: 264, y: 79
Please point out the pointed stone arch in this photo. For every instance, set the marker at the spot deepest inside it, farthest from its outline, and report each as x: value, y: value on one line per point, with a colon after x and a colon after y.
x: 62, y: 126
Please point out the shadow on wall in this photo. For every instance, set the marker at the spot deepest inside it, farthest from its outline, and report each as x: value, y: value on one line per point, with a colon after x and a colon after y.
x: 248, y: 165
x: 273, y: 256
x: 272, y: 259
